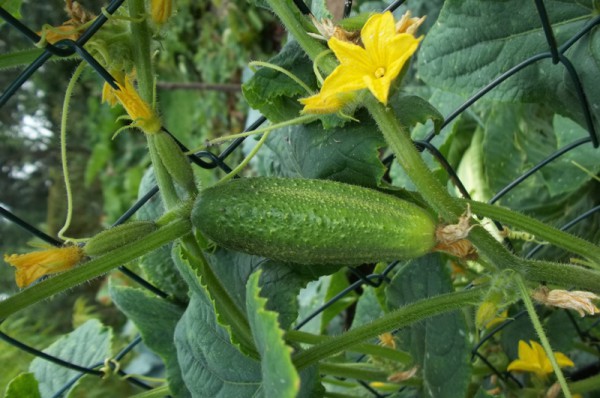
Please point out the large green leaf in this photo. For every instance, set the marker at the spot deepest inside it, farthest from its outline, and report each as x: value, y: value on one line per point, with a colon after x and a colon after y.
x: 144, y: 310
x: 562, y: 175
x: 467, y: 48
x: 368, y: 307
x: 349, y: 154
x: 440, y: 345
x: 273, y: 93
x: 24, y: 385
x: 280, y: 378
x: 87, y: 345
x: 211, y: 365
x: 517, y: 137
x: 280, y: 283
x: 13, y: 7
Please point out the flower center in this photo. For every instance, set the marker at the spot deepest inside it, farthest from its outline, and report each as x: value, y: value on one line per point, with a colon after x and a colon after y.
x: 380, y: 72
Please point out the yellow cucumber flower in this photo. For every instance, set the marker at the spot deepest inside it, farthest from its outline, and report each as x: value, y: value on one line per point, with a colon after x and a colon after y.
x: 70, y: 29
x: 34, y: 265
x: 533, y: 359
x: 161, y: 10
x: 374, y: 67
x: 140, y: 112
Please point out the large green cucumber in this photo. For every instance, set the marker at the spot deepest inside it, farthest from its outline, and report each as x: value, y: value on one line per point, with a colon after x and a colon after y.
x: 312, y: 221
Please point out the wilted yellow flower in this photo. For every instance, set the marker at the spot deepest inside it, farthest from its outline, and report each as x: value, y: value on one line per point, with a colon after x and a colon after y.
x: 140, y: 112
x: 327, y: 29
x: 34, y: 265
x: 577, y: 300
x: 399, y: 377
x: 70, y: 29
x: 374, y: 67
x: 161, y: 10
x: 533, y: 359
x: 409, y: 24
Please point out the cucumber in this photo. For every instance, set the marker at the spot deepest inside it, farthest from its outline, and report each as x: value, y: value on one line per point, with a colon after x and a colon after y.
x: 312, y: 221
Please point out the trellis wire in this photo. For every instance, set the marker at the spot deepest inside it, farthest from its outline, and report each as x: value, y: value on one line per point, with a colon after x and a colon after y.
x: 209, y: 160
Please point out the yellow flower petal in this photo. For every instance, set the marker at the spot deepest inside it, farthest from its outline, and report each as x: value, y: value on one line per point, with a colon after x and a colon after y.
x: 139, y: 111
x: 374, y: 67
x: 161, y: 10
x: 350, y: 54
x: 376, y: 35
x: 32, y: 266
x: 523, y: 366
x: 533, y: 359
x: 563, y: 360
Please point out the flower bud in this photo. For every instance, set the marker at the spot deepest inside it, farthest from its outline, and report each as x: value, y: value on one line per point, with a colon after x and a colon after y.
x: 175, y: 161
x: 161, y: 10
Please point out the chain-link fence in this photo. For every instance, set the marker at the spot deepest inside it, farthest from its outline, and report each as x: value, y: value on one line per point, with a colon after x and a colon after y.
x: 208, y: 160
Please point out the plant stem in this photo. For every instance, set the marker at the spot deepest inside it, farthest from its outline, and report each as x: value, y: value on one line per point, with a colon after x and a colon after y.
x: 95, y: 267
x: 140, y: 32
x: 298, y: 26
x: 398, y: 138
x: 352, y: 372
x: 539, y: 229
x: 394, y: 320
x: 362, y: 348
x: 537, y: 325
x: 227, y: 312
x: 226, y: 308
x: 564, y: 275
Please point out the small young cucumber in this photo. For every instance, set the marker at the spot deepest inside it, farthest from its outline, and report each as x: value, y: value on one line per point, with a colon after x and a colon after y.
x: 115, y: 237
x: 312, y: 221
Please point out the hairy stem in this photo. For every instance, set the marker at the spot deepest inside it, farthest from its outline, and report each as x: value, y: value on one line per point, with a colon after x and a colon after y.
x: 537, y: 325
x: 539, y: 229
x: 95, y: 267
x: 396, y: 319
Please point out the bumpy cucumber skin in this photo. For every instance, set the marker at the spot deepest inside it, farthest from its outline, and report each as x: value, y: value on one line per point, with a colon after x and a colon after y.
x: 312, y: 221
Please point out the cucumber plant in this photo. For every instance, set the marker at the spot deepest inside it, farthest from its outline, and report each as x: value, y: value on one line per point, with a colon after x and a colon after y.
x: 243, y: 261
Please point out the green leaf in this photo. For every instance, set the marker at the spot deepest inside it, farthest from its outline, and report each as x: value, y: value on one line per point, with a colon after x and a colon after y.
x: 337, y: 283
x: 211, y: 365
x: 519, y: 329
x: 280, y: 283
x: 280, y: 378
x: 440, y: 345
x: 467, y: 48
x: 273, y: 93
x: 367, y: 308
x: 13, y: 7
x: 16, y: 59
x: 24, y: 385
x: 144, y: 310
x: 349, y: 154
x: 563, y: 176
x: 413, y: 110
x: 87, y: 345
x: 517, y: 137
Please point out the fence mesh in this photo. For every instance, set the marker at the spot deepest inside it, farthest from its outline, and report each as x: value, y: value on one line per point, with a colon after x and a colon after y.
x: 208, y: 160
